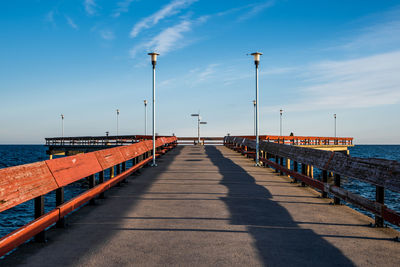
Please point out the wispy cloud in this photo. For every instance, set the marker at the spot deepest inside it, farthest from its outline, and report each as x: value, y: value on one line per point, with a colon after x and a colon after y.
x: 122, y: 7
x: 71, y: 23
x: 255, y: 9
x: 50, y: 17
x: 170, y: 9
x: 107, y: 34
x: 90, y: 6
x: 358, y: 83
x: 170, y: 38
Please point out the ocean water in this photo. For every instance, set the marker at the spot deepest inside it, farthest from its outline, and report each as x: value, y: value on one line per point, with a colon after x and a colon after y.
x: 12, y: 155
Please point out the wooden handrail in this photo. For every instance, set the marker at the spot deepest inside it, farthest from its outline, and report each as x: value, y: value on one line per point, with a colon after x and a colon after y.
x: 32, y: 181
x: 382, y: 173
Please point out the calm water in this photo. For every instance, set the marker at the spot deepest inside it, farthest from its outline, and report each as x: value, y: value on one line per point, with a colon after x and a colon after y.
x: 12, y: 155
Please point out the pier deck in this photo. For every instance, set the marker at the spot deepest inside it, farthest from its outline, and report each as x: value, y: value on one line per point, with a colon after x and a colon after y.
x: 210, y: 206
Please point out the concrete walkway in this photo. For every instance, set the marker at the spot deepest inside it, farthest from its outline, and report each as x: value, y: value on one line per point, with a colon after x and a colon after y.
x: 210, y: 207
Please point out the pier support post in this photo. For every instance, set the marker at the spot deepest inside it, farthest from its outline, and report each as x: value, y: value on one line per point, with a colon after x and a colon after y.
x: 380, y: 198
x: 324, y: 180
x: 60, y: 200
x: 336, y: 181
x: 101, y: 180
x: 277, y: 162
x: 92, y: 183
x: 39, y: 211
x: 281, y: 163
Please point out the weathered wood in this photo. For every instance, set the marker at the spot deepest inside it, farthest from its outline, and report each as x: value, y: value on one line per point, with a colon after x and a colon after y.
x: 22, y: 183
x: 379, y: 172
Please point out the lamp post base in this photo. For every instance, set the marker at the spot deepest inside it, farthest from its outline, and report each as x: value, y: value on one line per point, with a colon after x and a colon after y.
x: 153, y: 165
x: 257, y: 164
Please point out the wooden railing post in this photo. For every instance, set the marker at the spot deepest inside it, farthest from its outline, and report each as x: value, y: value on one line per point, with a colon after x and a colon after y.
x: 101, y: 180
x: 60, y: 200
x: 304, y: 172
x: 336, y: 181
x: 277, y: 162
x: 380, y: 198
x: 39, y: 211
x: 295, y: 169
x: 324, y: 180
x: 92, y: 183
x: 281, y: 163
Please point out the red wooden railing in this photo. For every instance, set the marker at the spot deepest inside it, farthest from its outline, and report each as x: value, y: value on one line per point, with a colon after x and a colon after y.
x: 305, y: 140
x: 32, y: 181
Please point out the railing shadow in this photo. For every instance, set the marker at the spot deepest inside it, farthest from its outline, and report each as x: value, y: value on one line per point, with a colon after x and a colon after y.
x: 279, y: 240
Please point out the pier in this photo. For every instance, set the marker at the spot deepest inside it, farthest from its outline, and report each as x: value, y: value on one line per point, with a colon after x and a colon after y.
x: 205, y: 205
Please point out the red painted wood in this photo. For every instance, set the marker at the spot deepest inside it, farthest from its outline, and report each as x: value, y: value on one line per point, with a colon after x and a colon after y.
x: 109, y: 157
x: 73, y: 168
x: 22, y: 183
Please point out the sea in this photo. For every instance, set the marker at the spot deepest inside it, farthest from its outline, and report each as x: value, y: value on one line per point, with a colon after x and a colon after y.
x: 12, y: 155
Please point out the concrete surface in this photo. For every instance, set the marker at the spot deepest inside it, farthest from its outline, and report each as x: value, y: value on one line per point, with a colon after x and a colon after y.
x: 211, y: 207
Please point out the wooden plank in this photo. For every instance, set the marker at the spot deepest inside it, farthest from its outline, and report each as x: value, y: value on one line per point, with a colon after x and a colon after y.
x: 109, y: 157
x: 73, y: 168
x: 25, y: 182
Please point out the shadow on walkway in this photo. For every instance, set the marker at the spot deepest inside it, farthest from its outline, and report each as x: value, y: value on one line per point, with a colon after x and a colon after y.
x: 278, y: 238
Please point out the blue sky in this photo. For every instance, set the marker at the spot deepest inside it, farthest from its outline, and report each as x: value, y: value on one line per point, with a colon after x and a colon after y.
x: 86, y: 58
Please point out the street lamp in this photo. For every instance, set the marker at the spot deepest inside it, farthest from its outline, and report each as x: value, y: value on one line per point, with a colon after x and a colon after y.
x: 62, y: 125
x: 117, y: 122
x: 254, y: 103
x: 153, y: 56
x: 334, y: 116
x: 145, y: 117
x: 256, y: 56
x: 280, y: 123
x: 198, y: 126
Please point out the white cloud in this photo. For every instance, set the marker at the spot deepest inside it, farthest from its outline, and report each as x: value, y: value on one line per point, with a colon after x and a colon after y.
x: 256, y: 9
x: 90, y: 6
x: 358, y: 83
x: 166, y: 40
x: 123, y: 7
x: 107, y: 34
x: 71, y: 23
x: 172, y: 8
x: 50, y: 17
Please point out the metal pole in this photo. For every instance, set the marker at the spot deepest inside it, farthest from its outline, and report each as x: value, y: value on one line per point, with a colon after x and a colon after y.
x: 117, y: 122
x: 145, y: 118
x: 198, y: 129
x: 154, y: 114
x: 254, y: 117
x: 334, y: 115
x: 280, y: 124
x: 257, y: 117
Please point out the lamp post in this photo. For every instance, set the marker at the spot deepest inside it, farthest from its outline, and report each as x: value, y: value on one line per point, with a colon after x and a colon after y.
x: 62, y: 125
x: 117, y: 123
x: 62, y: 129
x: 254, y: 103
x: 256, y: 56
x: 153, y: 62
x: 198, y: 126
x: 280, y: 122
x: 145, y: 117
x: 334, y: 117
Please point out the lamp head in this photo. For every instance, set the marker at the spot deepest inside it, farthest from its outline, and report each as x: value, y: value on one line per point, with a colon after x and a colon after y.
x: 254, y: 102
x: 203, y: 122
x: 256, y: 56
x: 334, y: 115
x: 153, y: 58
x: 281, y: 111
x: 117, y: 111
x: 62, y: 116
x: 145, y: 102
x: 195, y: 115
